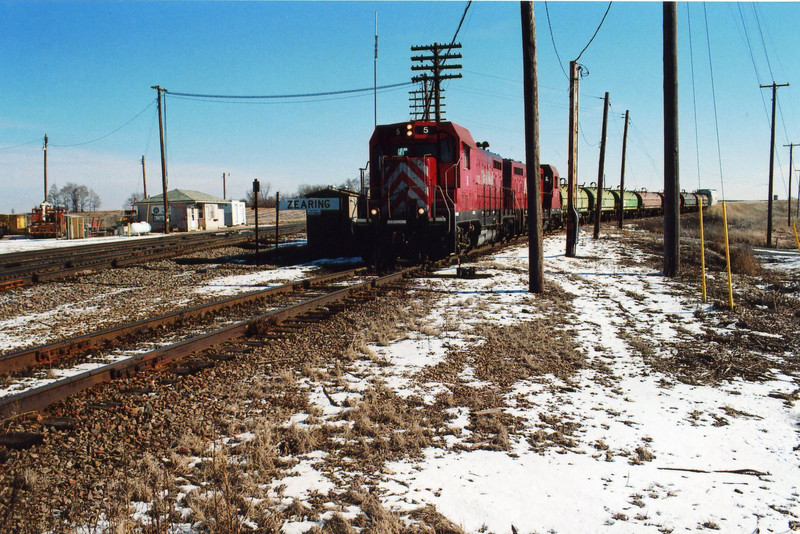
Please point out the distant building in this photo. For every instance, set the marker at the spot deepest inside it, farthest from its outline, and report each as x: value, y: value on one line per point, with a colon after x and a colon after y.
x: 190, y: 210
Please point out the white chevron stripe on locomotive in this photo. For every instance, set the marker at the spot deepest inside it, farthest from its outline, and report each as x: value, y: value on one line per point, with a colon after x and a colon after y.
x: 406, y: 180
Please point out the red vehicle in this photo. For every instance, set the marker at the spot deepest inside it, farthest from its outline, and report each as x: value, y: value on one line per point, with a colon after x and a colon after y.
x: 48, y: 221
x: 434, y: 191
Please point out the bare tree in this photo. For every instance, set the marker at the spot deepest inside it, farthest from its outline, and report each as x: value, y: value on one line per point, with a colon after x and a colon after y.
x: 54, y: 196
x: 351, y: 184
x: 264, y: 200
x: 306, y: 189
x: 132, y: 200
x: 78, y: 197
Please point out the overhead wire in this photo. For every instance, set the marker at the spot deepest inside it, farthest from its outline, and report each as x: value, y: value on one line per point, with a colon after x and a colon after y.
x: 714, y: 98
x: 772, y: 77
x: 285, y: 96
x: 110, y: 133
x: 694, y: 95
x: 596, y: 31
x: 21, y: 144
x: 553, y: 40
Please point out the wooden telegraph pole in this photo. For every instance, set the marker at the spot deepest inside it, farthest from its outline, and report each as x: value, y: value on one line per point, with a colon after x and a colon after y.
x: 598, y: 200
x: 772, y: 158
x: 535, y: 267
x: 572, y: 163
x: 256, y: 190
x: 224, y: 187
x: 160, y: 90
x: 671, y: 174
x: 144, y: 178
x: 622, y: 171
x: 45, y: 167
x: 791, y: 172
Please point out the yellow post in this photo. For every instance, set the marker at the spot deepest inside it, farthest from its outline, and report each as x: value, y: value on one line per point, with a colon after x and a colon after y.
x: 795, y: 236
x: 727, y: 254
x: 702, y: 252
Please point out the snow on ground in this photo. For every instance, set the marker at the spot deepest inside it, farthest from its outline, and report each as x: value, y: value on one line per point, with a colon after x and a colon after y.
x: 254, y: 281
x: 23, y: 243
x: 652, y: 454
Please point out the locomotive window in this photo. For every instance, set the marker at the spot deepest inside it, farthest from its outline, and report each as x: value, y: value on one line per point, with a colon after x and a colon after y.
x: 496, y: 164
x: 518, y: 171
x: 465, y: 155
x: 447, y: 151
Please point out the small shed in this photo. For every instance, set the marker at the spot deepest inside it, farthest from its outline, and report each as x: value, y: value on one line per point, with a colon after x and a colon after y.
x: 188, y: 210
x: 330, y: 232
x: 235, y: 213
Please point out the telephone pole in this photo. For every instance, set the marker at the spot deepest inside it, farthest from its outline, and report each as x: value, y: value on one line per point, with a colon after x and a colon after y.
x: 572, y: 161
x: 534, y: 183
x: 224, y: 187
x: 45, y: 167
x: 791, y: 172
x: 375, y: 74
x: 439, y: 54
x: 598, y: 201
x: 160, y: 90
x: 144, y: 178
x: 672, y: 229
x: 622, y: 171
x: 772, y: 158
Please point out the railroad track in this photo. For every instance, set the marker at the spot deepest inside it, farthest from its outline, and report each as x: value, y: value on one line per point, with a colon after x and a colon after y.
x: 308, y: 295
x: 26, y: 268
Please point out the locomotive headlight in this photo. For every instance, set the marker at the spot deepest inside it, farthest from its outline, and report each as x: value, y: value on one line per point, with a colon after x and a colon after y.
x: 421, y: 211
x: 373, y: 211
x: 409, y: 130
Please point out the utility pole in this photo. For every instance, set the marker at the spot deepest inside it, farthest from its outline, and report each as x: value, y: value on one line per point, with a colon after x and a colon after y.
x: 772, y: 158
x: 622, y: 171
x: 598, y: 201
x: 45, y: 167
x: 572, y: 162
x: 791, y: 172
x: 439, y: 54
x: 531, y: 88
x: 277, y: 218
x: 160, y: 90
x: 256, y: 189
x: 672, y: 258
x: 375, y: 73
x: 144, y: 178
x: 224, y: 188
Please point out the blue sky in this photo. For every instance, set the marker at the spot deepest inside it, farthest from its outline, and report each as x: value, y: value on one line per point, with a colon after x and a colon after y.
x: 80, y: 70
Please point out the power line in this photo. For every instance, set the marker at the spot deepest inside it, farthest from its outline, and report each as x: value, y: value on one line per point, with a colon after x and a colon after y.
x: 553, y: 40
x: 21, y: 144
x: 694, y: 95
x: 110, y: 133
x: 596, y: 31
x: 463, y: 16
x: 286, y: 96
x: 714, y: 98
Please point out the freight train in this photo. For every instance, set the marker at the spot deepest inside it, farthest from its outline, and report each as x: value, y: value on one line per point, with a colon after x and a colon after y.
x: 434, y: 191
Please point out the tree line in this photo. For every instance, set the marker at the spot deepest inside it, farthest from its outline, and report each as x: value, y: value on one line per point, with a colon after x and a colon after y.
x: 266, y: 200
x: 74, y: 197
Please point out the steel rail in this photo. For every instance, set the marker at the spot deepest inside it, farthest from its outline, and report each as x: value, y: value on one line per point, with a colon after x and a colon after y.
x: 39, y: 398
x: 58, y: 263
x: 43, y: 354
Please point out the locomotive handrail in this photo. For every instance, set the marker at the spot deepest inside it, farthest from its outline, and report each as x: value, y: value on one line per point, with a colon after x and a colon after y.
x: 451, y: 214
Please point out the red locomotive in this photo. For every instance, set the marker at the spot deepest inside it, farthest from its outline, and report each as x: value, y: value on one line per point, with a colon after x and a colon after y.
x: 433, y: 191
